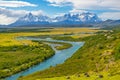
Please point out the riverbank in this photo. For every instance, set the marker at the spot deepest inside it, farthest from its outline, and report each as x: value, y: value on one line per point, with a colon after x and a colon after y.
x: 100, y: 53
x: 58, y: 58
x: 59, y: 45
x: 26, y: 49
x: 16, y: 58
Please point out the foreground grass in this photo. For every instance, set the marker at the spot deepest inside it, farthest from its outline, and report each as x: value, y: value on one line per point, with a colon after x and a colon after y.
x: 14, y: 59
x: 92, y: 76
x: 99, y: 54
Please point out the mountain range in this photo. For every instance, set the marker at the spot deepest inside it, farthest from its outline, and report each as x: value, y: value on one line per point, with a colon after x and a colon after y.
x: 66, y: 19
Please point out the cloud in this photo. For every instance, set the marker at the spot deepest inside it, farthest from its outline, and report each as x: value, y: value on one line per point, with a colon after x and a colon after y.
x: 18, y: 13
x: 78, y: 6
x: 110, y: 15
x: 87, y: 4
x: 59, y: 3
x: 77, y: 11
x: 37, y: 13
x: 12, y: 13
x: 4, y: 20
x: 8, y: 16
x: 4, y: 3
x: 58, y: 14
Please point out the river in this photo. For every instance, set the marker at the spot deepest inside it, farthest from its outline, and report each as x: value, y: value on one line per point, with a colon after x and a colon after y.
x: 59, y: 57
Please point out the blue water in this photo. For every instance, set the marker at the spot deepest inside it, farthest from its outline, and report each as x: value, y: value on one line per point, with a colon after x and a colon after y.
x: 58, y: 58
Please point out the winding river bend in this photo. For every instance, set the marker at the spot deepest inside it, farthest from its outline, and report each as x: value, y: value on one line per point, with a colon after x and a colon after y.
x: 58, y: 58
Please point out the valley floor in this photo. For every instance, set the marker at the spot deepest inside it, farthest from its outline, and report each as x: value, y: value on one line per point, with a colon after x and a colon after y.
x: 18, y: 55
x: 99, y: 58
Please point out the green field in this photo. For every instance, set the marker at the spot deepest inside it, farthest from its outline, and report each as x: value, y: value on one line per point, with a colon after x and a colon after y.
x: 19, y: 55
x: 16, y: 58
x: 60, y: 46
x: 100, y: 55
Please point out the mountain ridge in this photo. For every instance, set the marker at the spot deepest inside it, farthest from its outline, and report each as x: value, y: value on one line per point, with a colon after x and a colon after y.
x: 69, y: 19
x: 30, y: 19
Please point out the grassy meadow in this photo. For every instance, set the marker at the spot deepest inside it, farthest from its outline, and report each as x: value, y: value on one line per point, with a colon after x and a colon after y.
x: 93, y: 76
x: 18, y: 55
x: 98, y: 59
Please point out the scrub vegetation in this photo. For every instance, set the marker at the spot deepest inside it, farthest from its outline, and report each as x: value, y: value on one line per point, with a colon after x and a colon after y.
x: 60, y: 45
x: 18, y: 55
x: 100, y: 55
x: 17, y: 58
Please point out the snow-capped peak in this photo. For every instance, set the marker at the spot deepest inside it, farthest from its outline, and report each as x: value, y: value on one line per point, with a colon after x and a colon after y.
x: 29, y: 17
x: 34, y: 18
x: 83, y: 17
x: 70, y: 18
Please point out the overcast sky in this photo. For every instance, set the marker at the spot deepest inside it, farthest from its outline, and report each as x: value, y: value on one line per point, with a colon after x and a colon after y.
x: 11, y: 10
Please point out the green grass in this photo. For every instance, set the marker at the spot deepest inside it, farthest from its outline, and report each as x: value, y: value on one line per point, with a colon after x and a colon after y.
x: 92, y: 76
x: 14, y: 59
x: 61, y: 45
x: 24, y: 29
x: 18, y: 55
x: 117, y: 52
x: 99, y: 53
